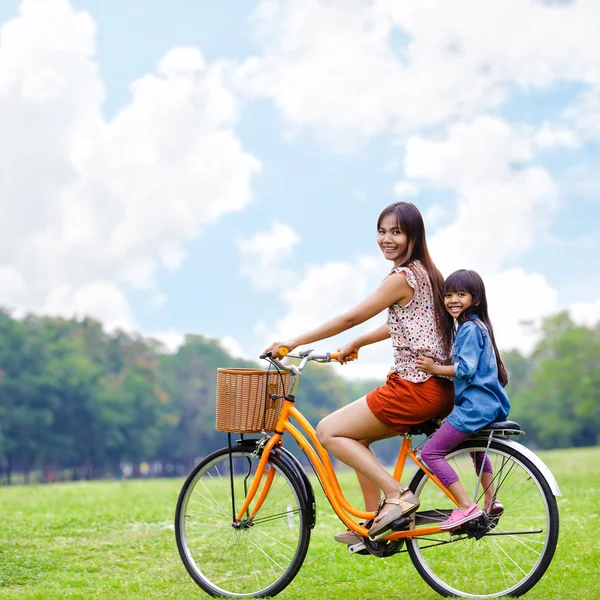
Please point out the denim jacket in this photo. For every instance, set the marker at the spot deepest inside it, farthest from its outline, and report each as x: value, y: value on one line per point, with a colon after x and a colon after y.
x: 479, y: 398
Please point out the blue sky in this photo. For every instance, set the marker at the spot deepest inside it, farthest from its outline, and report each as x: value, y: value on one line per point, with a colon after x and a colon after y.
x: 218, y: 167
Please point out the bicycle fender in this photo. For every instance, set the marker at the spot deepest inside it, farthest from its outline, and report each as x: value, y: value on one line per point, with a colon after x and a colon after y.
x: 527, y: 453
x: 535, y: 459
x: 309, y: 494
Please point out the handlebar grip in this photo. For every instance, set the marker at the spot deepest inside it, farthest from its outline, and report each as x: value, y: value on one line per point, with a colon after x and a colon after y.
x: 283, y: 351
x: 351, y: 356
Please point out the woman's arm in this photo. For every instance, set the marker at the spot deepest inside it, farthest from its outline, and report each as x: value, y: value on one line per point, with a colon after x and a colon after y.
x: 393, y: 289
x: 372, y: 337
x: 377, y: 335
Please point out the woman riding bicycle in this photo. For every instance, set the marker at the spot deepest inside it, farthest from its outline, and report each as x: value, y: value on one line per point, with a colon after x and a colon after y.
x: 412, y: 293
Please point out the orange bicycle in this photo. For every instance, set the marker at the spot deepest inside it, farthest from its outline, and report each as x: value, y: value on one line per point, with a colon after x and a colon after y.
x: 246, y: 512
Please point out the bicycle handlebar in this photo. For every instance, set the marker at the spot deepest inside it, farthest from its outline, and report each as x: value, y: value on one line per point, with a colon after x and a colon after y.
x: 351, y: 356
x: 306, y: 357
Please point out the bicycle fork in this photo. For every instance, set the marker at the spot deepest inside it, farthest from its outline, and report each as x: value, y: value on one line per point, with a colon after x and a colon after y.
x: 263, y: 468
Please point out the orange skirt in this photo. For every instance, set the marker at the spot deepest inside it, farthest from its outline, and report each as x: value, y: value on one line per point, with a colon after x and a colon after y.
x: 399, y: 403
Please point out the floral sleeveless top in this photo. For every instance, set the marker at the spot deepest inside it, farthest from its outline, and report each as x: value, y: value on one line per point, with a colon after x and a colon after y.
x: 413, y: 326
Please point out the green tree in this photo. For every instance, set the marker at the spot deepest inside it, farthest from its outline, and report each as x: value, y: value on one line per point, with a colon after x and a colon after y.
x: 560, y: 404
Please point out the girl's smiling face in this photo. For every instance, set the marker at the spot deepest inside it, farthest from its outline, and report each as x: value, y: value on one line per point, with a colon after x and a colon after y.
x: 457, y: 302
x: 391, y: 239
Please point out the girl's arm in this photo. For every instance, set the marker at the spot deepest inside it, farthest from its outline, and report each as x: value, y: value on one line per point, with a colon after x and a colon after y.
x: 394, y: 288
x: 427, y: 365
x: 467, y: 349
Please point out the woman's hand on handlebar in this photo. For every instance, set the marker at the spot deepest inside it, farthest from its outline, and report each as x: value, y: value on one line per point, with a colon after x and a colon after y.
x: 274, y: 348
x: 345, y: 352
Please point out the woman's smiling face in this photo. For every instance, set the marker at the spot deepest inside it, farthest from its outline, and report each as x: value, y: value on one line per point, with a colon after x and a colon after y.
x: 391, y: 239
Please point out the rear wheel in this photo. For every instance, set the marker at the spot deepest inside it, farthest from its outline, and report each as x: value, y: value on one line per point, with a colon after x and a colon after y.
x: 493, y: 557
x: 257, y: 557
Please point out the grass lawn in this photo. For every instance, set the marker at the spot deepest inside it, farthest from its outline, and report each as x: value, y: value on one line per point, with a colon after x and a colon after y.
x: 115, y: 540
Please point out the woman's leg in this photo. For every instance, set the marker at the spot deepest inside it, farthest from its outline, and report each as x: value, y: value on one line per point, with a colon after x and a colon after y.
x: 341, y: 434
x: 370, y: 490
x: 347, y: 434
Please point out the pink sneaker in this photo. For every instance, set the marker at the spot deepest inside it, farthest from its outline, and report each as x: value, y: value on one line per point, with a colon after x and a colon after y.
x: 458, y: 517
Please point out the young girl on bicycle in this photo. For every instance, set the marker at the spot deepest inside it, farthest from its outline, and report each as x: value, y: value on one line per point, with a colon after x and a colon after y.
x: 479, y: 396
x: 417, y: 324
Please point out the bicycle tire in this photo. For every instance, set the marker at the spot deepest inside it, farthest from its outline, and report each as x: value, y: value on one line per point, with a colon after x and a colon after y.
x: 255, y: 560
x: 513, y: 554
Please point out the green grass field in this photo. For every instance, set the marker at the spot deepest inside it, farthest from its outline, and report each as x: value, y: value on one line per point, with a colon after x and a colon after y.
x: 115, y: 540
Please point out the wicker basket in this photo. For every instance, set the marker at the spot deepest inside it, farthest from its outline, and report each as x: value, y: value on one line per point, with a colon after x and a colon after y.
x: 243, y: 399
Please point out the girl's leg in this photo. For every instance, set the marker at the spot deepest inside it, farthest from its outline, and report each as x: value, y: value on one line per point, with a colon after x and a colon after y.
x: 434, y: 454
x: 487, y: 477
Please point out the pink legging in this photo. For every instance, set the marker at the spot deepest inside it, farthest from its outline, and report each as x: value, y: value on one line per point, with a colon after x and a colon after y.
x: 441, y: 443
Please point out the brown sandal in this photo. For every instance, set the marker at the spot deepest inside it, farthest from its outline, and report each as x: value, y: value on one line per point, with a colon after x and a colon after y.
x: 404, y: 506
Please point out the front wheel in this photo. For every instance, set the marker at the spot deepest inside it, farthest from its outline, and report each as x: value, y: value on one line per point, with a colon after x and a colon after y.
x: 494, y: 557
x: 257, y: 557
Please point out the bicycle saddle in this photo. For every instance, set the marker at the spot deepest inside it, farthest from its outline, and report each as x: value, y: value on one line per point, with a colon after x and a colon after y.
x: 426, y: 428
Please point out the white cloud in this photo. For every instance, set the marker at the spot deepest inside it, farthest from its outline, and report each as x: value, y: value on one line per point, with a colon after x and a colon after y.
x: 337, y: 66
x: 502, y: 202
x: 234, y: 348
x: 585, y: 112
x: 11, y: 282
x: 326, y: 291
x: 100, y: 300
x: 551, y: 136
x: 263, y: 253
x: 405, y: 189
x: 86, y: 201
x: 436, y: 216
x: 171, y: 339
x: 484, y: 149
x: 586, y: 313
x: 518, y: 301
x: 581, y: 182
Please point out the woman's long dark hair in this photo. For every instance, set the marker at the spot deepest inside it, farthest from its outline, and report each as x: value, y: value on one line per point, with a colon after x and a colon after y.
x: 471, y: 283
x: 410, y: 222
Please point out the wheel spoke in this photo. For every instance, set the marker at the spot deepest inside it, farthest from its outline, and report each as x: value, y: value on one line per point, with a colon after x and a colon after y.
x: 507, y: 559
x: 257, y: 557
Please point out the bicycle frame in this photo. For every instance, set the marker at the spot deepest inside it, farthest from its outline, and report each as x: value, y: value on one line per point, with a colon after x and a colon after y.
x: 222, y: 545
x: 323, y: 466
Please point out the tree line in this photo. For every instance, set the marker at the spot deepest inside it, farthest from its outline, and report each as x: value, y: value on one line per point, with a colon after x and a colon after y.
x: 77, y: 402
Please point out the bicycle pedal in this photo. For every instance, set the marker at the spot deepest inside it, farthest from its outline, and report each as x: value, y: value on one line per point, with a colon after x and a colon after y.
x: 359, y: 548
x: 402, y: 523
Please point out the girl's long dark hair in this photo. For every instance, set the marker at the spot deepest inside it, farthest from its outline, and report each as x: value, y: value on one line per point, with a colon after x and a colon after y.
x: 410, y: 222
x: 471, y: 283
